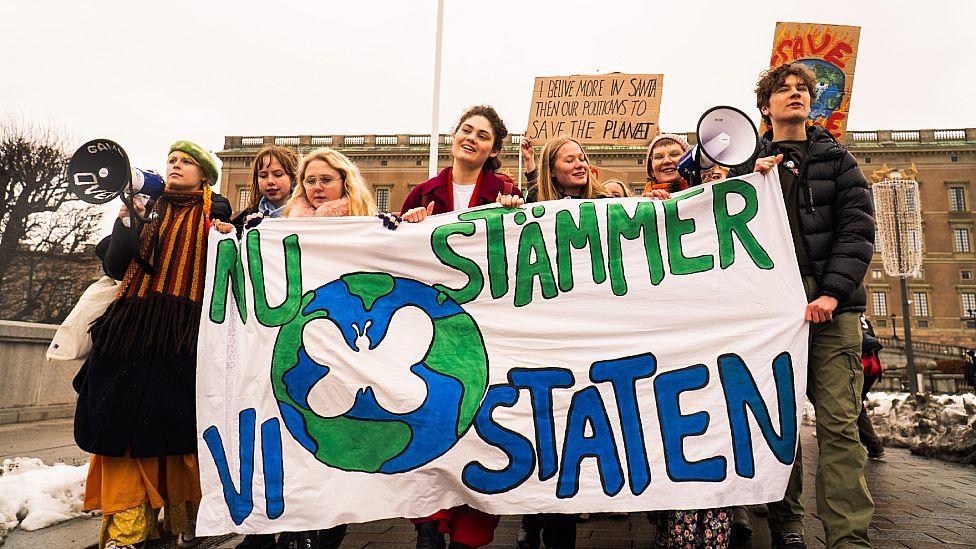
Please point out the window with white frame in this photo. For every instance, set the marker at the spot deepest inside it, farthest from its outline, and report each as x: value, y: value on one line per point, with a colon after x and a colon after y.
x: 968, y: 302
x: 876, y: 274
x: 383, y: 200
x: 957, y: 199
x: 966, y: 274
x: 879, y: 304
x: 243, y: 199
x: 921, y: 302
x: 960, y: 239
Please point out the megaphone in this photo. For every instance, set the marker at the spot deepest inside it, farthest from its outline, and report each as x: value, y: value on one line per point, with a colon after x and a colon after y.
x: 99, y: 171
x: 726, y: 136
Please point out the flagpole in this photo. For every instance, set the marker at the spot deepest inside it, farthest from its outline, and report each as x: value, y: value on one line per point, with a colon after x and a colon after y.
x: 436, y: 106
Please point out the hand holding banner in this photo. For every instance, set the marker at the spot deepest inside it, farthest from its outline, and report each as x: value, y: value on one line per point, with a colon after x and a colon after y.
x: 570, y: 356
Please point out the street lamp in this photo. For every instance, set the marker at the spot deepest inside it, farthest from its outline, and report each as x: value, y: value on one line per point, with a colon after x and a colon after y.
x: 894, y: 326
x: 898, y: 214
x: 972, y: 317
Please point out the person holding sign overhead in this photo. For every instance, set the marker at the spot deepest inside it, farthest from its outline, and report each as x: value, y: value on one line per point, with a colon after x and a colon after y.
x: 470, y: 181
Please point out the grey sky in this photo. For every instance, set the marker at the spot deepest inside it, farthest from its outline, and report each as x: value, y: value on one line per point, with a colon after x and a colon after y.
x: 148, y: 74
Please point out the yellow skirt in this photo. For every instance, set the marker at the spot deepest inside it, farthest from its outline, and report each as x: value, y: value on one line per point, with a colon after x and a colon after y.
x: 130, y: 492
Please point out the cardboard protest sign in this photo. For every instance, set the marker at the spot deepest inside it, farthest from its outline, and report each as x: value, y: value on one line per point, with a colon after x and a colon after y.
x: 568, y: 356
x: 600, y: 109
x: 830, y: 51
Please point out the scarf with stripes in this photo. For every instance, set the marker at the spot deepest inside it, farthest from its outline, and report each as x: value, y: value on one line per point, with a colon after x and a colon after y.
x: 157, y: 310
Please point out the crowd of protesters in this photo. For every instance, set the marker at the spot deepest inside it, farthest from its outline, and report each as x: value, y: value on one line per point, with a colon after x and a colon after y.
x: 136, y: 409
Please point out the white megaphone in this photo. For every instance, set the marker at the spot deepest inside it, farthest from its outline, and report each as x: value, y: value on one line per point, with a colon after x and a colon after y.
x: 726, y: 136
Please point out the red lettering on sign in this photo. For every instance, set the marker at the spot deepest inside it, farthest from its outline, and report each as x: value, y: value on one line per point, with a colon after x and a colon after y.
x: 792, y: 48
x: 837, y: 55
x: 832, y: 124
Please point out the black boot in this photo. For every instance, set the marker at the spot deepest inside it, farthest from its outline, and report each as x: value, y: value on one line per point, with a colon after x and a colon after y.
x: 331, y: 538
x: 257, y: 541
x: 741, y: 522
x: 429, y: 535
x: 527, y: 538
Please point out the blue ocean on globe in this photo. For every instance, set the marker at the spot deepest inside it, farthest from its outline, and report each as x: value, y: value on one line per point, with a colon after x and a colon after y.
x: 374, y: 298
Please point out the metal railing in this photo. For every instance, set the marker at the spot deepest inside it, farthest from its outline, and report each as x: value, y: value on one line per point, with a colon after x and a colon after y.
x: 924, y: 347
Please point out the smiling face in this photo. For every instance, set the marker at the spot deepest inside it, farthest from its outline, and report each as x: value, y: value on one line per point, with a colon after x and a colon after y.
x: 664, y: 162
x: 789, y: 103
x: 473, y: 142
x: 570, y: 169
x: 273, y: 181
x: 183, y: 173
x: 322, y: 183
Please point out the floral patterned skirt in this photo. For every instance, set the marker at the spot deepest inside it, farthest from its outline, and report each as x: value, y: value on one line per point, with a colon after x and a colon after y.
x: 699, y: 528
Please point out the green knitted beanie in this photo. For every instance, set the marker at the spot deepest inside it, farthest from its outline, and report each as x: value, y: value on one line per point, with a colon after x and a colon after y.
x: 203, y: 158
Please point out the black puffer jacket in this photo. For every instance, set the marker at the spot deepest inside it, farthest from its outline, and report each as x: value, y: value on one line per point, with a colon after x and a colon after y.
x: 836, y: 215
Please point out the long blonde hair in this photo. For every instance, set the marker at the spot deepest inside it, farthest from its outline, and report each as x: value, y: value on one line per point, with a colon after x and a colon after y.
x: 354, y: 185
x: 546, y: 187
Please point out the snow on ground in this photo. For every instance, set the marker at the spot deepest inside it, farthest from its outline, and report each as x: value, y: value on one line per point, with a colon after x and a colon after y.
x: 34, y: 495
x: 939, y: 426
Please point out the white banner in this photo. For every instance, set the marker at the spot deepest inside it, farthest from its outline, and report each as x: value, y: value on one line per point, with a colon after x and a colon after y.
x: 569, y: 356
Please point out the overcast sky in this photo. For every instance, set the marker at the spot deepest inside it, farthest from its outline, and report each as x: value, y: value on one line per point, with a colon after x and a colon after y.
x: 146, y: 74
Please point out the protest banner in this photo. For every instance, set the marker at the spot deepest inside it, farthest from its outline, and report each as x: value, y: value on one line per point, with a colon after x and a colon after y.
x: 600, y: 109
x: 830, y: 51
x: 569, y: 356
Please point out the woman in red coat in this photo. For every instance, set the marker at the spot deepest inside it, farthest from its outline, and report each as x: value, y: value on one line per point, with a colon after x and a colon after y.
x: 470, y: 181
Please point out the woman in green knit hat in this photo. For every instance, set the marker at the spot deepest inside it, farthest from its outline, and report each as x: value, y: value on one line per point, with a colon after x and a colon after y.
x: 136, y: 391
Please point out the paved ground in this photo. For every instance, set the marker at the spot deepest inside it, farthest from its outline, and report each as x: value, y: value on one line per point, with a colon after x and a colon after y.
x: 921, y: 503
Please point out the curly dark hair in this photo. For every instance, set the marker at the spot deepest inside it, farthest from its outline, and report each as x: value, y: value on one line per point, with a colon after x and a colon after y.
x: 497, y: 127
x: 775, y: 77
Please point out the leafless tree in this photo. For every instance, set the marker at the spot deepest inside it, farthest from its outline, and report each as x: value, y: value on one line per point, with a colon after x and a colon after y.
x: 45, y: 232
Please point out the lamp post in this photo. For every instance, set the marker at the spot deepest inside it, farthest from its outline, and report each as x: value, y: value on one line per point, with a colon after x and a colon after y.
x: 894, y: 326
x: 972, y: 317
x: 898, y: 216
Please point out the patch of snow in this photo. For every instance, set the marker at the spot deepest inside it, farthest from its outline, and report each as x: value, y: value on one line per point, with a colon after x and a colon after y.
x: 939, y: 426
x: 34, y: 495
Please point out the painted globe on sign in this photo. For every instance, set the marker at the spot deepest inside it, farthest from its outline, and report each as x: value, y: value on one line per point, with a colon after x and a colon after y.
x: 368, y: 437
x: 828, y: 93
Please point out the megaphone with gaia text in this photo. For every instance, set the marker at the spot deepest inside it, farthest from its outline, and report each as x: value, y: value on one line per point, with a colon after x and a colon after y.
x: 99, y: 171
x: 726, y: 136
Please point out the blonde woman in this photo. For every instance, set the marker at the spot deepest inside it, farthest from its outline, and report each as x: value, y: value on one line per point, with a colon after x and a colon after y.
x: 564, y: 172
x: 330, y: 186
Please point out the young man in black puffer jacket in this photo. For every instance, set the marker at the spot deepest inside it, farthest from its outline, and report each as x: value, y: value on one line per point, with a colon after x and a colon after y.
x: 831, y: 221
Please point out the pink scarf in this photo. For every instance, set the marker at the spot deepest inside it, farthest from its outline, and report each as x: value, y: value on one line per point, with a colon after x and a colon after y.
x: 332, y: 208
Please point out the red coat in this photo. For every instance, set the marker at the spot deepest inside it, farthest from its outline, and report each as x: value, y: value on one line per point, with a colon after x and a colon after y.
x: 438, y: 190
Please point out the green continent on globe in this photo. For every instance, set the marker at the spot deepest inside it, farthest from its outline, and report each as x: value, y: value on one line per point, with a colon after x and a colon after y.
x: 368, y: 437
